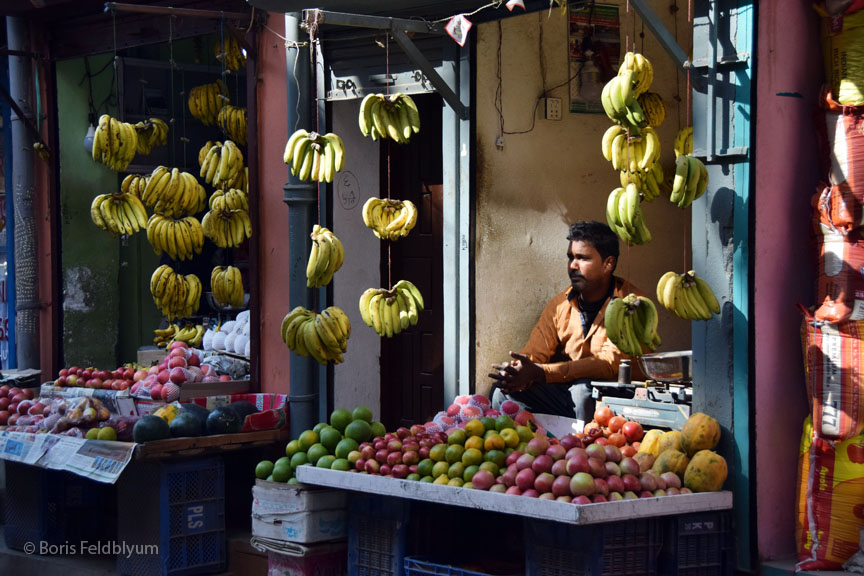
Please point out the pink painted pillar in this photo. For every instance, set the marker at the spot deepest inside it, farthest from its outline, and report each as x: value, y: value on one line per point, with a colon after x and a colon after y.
x: 273, y: 245
x: 787, y: 168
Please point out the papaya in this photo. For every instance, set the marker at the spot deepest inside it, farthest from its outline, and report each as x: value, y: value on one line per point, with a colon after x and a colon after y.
x: 706, y: 472
x: 671, y: 461
x: 670, y: 440
x: 700, y: 432
x: 650, y: 442
x: 645, y: 460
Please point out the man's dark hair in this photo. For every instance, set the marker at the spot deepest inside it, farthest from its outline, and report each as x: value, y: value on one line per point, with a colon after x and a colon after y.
x: 598, y: 234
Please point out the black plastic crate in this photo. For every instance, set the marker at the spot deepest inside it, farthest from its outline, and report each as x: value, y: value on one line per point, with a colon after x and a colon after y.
x: 628, y: 548
x: 48, y: 508
x: 699, y: 544
x: 173, y: 516
x: 377, y: 534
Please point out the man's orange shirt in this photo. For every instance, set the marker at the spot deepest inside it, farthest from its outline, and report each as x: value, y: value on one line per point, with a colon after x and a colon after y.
x: 558, y: 344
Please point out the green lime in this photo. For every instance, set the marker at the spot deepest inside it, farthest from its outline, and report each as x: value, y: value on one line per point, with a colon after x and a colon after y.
x: 378, y: 429
x: 472, y: 456
x: 362, y: 413
x: 282, y: 473
x: 284, y: 460
x: 455, y: 482
x: 424, y: 468
x: 345, y: 447
x: 440, y: 469
x: 270, y: 478
x: 318, y: 427
x: 454, y: 453
x: 503, y: 421
x: 265, y: 468
x: 307, y: 439
x: 92, y: 434
x: 330, y: 438
x: 292, y: 448
x: 469, y: 472
x: 359, y: 431
x: 325, y: 461
x: 525, y: 433
x: 299, y: 459
x: 340, y: 418
x: 340, y: 464
x: 488, y: 422
x: 293, y: 480
x: 457, y: 436
x: 496, y: 456
x: 316, y: 452
x: 413, y: 477
x: 456, y: 470
x: 427, y: 479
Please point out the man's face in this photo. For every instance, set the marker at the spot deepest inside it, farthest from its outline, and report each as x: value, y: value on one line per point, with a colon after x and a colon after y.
x: 587, y: 269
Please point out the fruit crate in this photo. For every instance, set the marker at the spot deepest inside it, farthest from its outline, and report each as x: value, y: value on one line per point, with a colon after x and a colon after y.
x: 173, y: 515
x: 51, y: 507
x: 377, y: 529
x: 415, y: 566
x: 628, y: 548
x: 699, y: 544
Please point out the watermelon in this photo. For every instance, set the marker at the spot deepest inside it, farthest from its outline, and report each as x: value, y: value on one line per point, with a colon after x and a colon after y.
x: 150, y: 428
x: 243, y: 409
x: 187, y: 424
x: 223, y: 420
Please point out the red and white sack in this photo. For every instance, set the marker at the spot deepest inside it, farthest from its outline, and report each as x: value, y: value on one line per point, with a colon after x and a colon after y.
x: 833, y: 365
x: 840, y: 278
x: 838, y: 207
x: 844, y: 143
x: 830, y: 502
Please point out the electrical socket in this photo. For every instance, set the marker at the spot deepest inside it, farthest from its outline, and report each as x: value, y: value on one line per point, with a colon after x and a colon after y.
x: 499, y: 142
x: 552, y: 107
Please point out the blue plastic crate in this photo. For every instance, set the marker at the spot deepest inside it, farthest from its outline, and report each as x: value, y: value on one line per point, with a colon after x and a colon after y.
x: 627, y: 548
x: 377, y: 530
x: 51, y: 508
x: 173, y: 514
x: 415, y: 566
x: 699, y: 544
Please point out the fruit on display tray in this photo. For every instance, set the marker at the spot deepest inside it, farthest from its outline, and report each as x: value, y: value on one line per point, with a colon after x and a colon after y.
x: 471, y: 445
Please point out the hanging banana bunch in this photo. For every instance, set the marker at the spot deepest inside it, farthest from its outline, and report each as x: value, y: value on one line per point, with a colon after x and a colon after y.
x: 687, y: 296
x: 226, y: 227
x: 230, y: 53
x: 653, y: 108
x: 389, y: 219
x: 153, y: 132
x: 691, y: 181
x: 176, y: 295
x: 181, y: 239
x: 232, y: 120
x: 226, y: 284
x: 173, y: 193
x: 325, y: 258
x: 114, y: 143
x: 220, y: 162
x: 624, y: 215
x: 118, y: 213
x: 684, y: 142
x: 205, y: 101
x: 323, y: 336
x: 134, y: 184
x: 633, y: 153
x: 650, y: 184
x: 388, y: 312
x: 395, y: 117
x: 631, y: 324
x: 313, y: 156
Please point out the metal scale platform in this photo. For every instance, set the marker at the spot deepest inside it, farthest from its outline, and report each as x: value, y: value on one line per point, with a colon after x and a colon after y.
x: 663, y: 400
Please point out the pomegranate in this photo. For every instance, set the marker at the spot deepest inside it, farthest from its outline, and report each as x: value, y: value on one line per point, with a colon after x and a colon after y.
x: 603, y: 415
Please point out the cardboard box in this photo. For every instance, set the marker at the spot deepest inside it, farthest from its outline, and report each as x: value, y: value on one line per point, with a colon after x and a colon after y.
x: 189, y: 390
x: 244, y: 559
x: 150, y: 356
x: 298, y: 513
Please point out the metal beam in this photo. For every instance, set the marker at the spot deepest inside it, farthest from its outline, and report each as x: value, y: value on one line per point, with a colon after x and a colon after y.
x: 399, y: 29
x: 169, y: 11
x: 643, y: 8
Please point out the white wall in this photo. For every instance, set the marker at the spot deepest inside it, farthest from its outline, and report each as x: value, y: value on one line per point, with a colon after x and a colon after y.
x: 529, y: 192
x: 357, y: 379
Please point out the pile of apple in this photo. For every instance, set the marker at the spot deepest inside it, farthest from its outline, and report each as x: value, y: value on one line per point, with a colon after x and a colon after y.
x: 396, y: 454
x: 16, y: 402
x: 465, y: 408
x: 181, y: 365
x: 120, y: 379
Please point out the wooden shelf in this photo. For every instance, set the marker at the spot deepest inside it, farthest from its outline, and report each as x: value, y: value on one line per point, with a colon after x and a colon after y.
x: 508, y: 504
x: 185, y: 447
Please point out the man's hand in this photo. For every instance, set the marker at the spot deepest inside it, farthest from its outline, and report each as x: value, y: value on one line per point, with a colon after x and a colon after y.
x: 517, y: 375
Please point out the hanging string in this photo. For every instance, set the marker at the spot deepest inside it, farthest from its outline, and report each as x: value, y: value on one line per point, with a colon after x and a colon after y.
x: 677, y: 69
x: 626, y: 32
x: 116, y: 84
x: 313, y: 59
x: 387, y: 90
x: 173, y: 65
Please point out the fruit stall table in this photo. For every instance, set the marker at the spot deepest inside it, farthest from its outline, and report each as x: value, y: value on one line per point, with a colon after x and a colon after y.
x: 550, y: 537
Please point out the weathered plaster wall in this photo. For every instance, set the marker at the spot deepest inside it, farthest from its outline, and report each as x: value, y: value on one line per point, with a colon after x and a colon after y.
x: 90, y: 257
x: 787, y: 169
x: 274, y: 270
x: 529, y: 192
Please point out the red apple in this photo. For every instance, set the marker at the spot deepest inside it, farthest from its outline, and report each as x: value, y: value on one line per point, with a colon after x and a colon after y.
x: 177, y: 375
x: 156, y: 392
x: 194, y: 359
x: 153, y: 370
x: 394, y: 458
x: 206, y: 369
x: 24, y: 406
x: 177, y: 344
x: 4, y: 417
x: 400, y: 471
x: 561, y: 486
x: 177, y: 362
x: 63, y: 372
x: 139, y: 375
x: 13, y: 418
x: 224, y: 378
x: 163, y: 376
x: 4, y: 403
x: 36, y: 409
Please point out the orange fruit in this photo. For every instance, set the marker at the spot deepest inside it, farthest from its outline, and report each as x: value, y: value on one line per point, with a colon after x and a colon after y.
x: 454, y: 453
x: 503, y: 421
x: 440, y: 469
x: 455, y: 482
x: 437, y: 452
x: 457, y: 436
x: 472, y: 456
x: 496, y: 456
x: 474, y: 428
x: 443, y: 479
x: 494, y: 442
x: 456, y: 470
x: 525, y: 433
x: 475, y: 442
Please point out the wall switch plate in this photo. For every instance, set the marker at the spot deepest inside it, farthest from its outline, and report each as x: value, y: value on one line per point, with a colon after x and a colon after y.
x: 552, y: 107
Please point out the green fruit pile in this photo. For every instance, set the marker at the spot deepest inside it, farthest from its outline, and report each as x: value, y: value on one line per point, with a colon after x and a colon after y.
x: 325, y: 445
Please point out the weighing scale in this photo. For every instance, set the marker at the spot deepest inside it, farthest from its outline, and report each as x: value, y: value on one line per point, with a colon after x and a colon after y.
x: 662, y: 401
